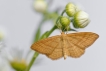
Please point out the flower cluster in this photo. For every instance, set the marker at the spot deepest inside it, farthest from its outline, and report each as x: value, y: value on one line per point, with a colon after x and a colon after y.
x: 78, y: 18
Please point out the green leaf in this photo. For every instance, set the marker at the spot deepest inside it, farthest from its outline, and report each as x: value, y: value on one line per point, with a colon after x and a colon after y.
x: 44, y: 35
x: 37, y: 35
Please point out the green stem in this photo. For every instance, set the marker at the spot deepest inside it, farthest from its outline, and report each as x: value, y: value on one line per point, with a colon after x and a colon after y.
x: 49, y: 32
x: 36, y: 53
x: 32, y: 61
x: 63, y: 12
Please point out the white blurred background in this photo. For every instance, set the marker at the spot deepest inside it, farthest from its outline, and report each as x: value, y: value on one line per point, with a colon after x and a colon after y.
x: 19, y: 22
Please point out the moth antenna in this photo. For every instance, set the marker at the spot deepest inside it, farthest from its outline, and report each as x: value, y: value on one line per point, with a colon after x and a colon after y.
x: 66, y: 28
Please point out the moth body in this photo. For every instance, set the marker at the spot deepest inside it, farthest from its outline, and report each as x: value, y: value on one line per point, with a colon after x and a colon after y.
x: 64, y: 46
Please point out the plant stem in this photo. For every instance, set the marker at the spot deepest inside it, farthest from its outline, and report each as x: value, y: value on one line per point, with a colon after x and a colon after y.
x: 36, y: 53
x: 49, y: 32
x: 32, y: 61
x: 63, y: 12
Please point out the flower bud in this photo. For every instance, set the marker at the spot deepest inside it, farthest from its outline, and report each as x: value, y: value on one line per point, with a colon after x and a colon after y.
x: 40, y: 5
x: 18, y: 65
x: 65, y: 21
x: 81, y: 19
x: 70, y: 9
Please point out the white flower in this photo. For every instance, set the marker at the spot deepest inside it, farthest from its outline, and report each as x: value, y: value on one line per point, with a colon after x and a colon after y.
x: 3, y: 33
x: 18, y: 58
x: 2, y: 37
x: 81, y: 19
x: 4, y: 65
x: 2, y: 44
x: 40, y: 5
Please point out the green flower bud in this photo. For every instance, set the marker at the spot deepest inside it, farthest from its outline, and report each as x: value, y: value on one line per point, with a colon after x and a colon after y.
x: 40, y: 5
x: 18, y: 65
x: 81, y: 19
x: 65, y: 21
x: 70, y: 9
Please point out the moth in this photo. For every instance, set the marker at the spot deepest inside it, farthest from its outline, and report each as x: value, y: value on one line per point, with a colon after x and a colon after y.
x: 72, y: 44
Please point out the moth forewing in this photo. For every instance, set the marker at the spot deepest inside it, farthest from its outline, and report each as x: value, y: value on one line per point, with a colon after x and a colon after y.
x: 58, y: 50
x: 82, y: 39
x: 47, y: 45
x: 77, y: 42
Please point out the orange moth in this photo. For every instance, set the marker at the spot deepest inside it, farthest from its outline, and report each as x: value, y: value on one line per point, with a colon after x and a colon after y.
x: 73, y: 45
